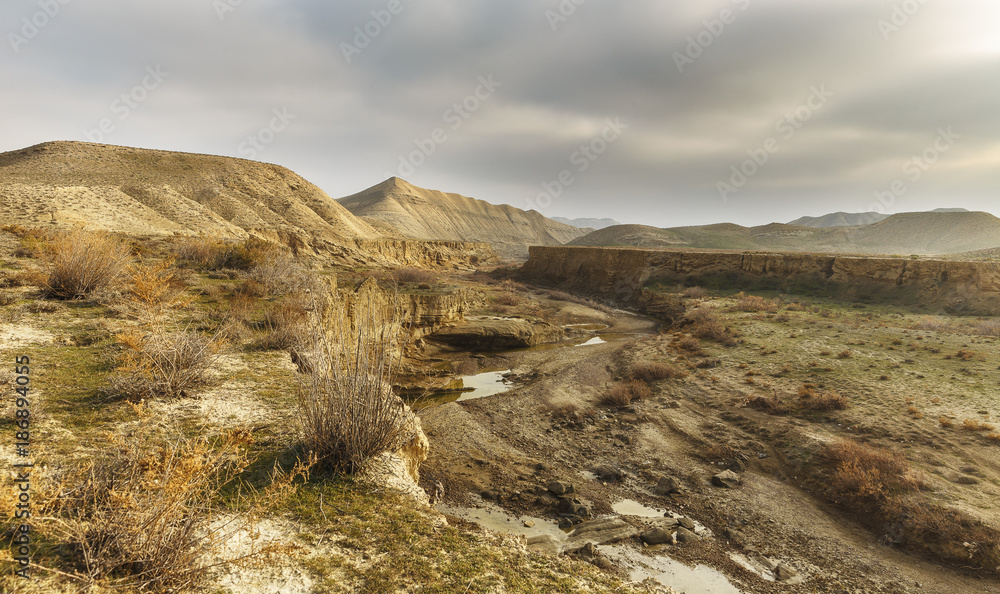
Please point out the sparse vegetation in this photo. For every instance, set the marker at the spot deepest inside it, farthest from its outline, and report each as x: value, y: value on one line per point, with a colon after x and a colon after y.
x: 625, y: 393
x: 80, y: 263
x: 651, y: 372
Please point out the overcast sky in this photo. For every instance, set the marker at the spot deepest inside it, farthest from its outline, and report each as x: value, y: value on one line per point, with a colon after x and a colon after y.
x: 648, y: 111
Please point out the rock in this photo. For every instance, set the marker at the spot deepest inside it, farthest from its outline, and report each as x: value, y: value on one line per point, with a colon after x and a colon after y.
x: 490, y: 495
x: 565, y: 523
x: 603, y: 531
x: 529, y: 524
x: 684, y: 535
x: 586, y: 553
x: 559, y: 488
x: 604, y: 563
x: 657, y: 536
x: 568, y: 507
x: 686, y: 523
x: 668, y: 523
x: 737, y: 465
x: 726, y: 479
x: 785, y: 572
x: 607, y: 473
x: 736, y: 537
x: 545, y: 543
x: 667, y: 485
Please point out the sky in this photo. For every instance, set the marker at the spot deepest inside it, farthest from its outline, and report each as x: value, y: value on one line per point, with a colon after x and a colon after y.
x: 658, y: 112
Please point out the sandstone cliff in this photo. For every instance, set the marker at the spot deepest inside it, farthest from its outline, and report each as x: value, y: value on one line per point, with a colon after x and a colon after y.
x: 624, y: 273
x: 428, y: 214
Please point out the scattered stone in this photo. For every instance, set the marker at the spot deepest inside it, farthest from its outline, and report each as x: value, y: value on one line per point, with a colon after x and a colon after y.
x: 736, y: 537
x: 586, y: 553
x: 668, y: 522
x: 668, y: 485
x: 490, y: 495
x: 685, y: 536
x: 623, y: 438
x: 726, y: 479
x: 565, y: 523
x: 737, y: 465
x: 559, y: 488
x: 569, y: 507
x: 607, y: 473
x: 529, y: 524
x: 785, y: 573
x: 603, y: 531
x: 686, y: 523
x: 657, y: 536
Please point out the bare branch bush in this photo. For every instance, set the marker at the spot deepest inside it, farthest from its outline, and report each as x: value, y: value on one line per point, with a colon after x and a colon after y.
x: 349, y: 412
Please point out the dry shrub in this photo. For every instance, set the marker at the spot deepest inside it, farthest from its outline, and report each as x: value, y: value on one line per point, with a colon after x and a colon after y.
x: 694, y: 293
x: 969, y: 355
x: 651, y: 372
x: 771, y: 405
x: 142, y: 517
x: 507, y: 298
x: 348, y: 410
x: 285, y: 323
x: 945, y: 422
x: 975, y: 425
x: 796, y: 306
x: 825, y: 401
x: 845, y: 354
x: 865, y: 475
x: 279, y: 273
x: 212, y: 254
x: 993, y: 437
x: 625, y: 393
x: 754, y: 303
x: 414, y: 275
x: 564, y: 296
x: 563, y: 411
x: 988, y: 327
x: 152, y: 291
x: 706, y: 324
x: 155, y: 362
x: 81, y: 262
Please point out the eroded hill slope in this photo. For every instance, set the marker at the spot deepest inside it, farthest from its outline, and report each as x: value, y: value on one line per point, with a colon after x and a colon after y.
x: 429, y: 214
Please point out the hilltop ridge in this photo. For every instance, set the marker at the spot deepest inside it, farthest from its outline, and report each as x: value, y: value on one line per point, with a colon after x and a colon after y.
x: 420, y: 213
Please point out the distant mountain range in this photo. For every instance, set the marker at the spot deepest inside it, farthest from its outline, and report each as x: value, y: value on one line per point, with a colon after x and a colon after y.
x: 587, y: 223
x: 850, y: 219
x: 418, y: 213
x: 905, y: 233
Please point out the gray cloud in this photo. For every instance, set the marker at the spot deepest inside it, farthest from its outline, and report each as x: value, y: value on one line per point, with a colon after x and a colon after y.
x: 354, y: 120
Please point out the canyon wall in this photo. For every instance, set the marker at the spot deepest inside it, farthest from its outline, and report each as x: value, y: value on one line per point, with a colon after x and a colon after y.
x: 625, y: 273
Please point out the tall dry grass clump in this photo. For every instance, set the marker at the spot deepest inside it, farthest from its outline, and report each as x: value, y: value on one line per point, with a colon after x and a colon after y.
x: 755, y: 303
x: 81, y: 262
x: 349, y: 412
x: 143, y: 517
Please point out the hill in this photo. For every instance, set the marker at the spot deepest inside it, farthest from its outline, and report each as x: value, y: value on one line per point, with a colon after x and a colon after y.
x: 152, y: 192
x: 429, y: 214
x: 586, y: 223
x: 840, y: 219
x: 904, y: 233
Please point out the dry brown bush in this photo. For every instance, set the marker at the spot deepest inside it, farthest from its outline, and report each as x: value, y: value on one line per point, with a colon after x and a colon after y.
x: 414, y: 275
x: 865, y: 475
x: 771, y: 405
x: 651, y: 372
x: 754, y: 303
x: 706, y: 324
x: 285, y: 323
x: 694, y: 293
x: 989, y: 327
x: 348, y: 410
x: 507, y: 298
x: 825, y: 401
x: 279, y: 273
x: 81, y: 262
x: 156, y: 362
x: 625, y: 393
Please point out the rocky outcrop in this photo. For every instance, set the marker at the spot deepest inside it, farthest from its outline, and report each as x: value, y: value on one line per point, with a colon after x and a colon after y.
x: 431, y: 215
x: 625, y: 273
x: 493, y: 334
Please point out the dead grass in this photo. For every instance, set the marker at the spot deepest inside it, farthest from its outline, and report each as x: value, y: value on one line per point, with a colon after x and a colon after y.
x: 706, y: 324
x: 651, y: 372
x: 754, y: 303
x: 625, y: 393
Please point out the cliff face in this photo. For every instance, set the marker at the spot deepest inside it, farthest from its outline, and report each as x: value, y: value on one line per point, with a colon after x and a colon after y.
x: 431, y: 215
x: 622, y: 273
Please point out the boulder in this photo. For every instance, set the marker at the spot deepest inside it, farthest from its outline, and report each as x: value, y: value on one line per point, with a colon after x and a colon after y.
x: 686, y: 536
x: 602, y: 531
x: 667, y: 485
x: 657, y: 536
x: 727, y: 479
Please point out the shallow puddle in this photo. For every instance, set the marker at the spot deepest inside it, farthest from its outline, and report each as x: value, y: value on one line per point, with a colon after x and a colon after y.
x: 689, y: 580
x: 628, y: 507
x: 468, y: 387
